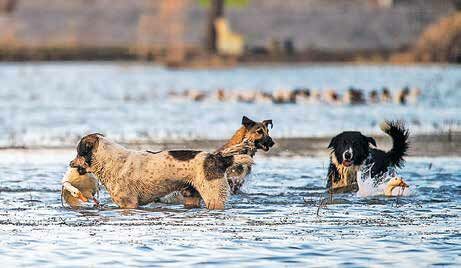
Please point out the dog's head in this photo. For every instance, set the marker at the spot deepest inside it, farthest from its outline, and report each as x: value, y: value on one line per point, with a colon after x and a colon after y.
x: 351, y: 148
x: 258, y: 132
x: 85, y: 149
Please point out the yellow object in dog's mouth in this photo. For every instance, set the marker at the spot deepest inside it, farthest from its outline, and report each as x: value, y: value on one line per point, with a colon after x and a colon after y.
x: 393, y: 183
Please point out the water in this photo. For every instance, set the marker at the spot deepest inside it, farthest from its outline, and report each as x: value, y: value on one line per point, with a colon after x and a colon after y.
x: 53, y: 104
x: 274, y: 223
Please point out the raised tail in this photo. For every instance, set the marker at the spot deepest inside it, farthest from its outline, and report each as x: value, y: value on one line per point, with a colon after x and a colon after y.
x: 400, y: 144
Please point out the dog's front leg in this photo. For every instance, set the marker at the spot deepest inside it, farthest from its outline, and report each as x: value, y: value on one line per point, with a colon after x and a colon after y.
x: 126, y: 201
x: 191, y: 197
x: 214, y: 192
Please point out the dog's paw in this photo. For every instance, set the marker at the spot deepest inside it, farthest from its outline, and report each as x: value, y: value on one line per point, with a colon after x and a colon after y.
x: 215, y: 205
x: 191, y: 202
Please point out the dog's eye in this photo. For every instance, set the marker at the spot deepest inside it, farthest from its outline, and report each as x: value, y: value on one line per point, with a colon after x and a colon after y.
x: 260, y: 131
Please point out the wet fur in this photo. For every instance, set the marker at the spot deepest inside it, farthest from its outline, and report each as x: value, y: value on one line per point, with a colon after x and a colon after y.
x: 136, y: 178
x: 256, y: 132
x: 341, y: 178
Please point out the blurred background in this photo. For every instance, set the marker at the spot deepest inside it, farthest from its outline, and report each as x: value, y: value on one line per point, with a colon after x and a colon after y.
x: 172, y: 71
x: 181, y: 31
x: 172, y: 74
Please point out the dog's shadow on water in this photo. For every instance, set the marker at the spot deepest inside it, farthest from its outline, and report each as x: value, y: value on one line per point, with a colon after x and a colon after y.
x: 95, y: 211
x: 112, y: 213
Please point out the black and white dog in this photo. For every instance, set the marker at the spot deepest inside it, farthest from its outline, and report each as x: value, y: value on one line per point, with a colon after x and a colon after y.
x: 350, y: 151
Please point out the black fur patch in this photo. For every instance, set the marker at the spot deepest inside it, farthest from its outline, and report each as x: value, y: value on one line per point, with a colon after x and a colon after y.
x: 86, y: 145
x: 215, y: 165
x: 183, y: 155
x: 400, y: 144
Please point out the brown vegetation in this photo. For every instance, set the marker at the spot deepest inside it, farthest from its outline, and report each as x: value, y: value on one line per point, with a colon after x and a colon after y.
x: 7, y: 6
x: 440, y: 42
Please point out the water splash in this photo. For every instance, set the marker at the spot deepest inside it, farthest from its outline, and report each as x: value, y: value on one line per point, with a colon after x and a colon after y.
x: 374, y: 186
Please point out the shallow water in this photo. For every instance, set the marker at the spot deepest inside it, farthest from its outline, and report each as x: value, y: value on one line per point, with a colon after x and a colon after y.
x: 273, y: 223
x: 53, y: 104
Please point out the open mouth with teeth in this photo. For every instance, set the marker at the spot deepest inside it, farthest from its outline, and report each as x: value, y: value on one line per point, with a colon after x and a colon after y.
x: 262, y: 146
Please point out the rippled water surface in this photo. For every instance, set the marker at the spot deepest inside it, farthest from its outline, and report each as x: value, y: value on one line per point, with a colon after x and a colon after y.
x: 53, y: 104
x: 274, y: 223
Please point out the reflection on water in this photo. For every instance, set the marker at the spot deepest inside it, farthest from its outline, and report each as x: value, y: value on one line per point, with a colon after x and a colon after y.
x: 273, y: 223
x: 53, y: 104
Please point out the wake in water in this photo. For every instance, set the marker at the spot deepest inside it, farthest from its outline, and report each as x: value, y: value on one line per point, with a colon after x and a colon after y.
x: 388, y: 183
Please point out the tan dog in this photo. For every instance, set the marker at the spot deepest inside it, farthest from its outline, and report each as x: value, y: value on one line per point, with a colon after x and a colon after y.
x: 136, y: 178
x: 253, y: 132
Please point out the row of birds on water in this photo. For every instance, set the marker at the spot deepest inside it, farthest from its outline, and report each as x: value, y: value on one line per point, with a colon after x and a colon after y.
x: 352, y: 96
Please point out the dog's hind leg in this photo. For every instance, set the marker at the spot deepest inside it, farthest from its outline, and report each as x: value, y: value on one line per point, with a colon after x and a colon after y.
x: 191, y: 197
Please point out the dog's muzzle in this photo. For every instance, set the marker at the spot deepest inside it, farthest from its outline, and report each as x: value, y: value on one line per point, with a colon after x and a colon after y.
x: 80, y: 170
x: 347, y: 158
x: 265, y: 144
x: 72, y: 164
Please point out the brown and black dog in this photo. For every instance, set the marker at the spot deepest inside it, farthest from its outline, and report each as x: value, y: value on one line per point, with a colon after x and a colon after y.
x: 251, y: 136
x: 253, y: 132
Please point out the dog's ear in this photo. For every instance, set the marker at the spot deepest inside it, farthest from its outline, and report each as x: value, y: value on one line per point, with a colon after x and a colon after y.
x: 87, y: 143
x: 83, y: 147
x: 247, y: 122
x: 333, y: 143
x: 268, y: 122
x: 371, y: 140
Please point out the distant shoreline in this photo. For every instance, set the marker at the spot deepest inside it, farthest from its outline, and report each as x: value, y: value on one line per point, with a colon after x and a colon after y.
x: 427, y: 145
x: 198, y: 58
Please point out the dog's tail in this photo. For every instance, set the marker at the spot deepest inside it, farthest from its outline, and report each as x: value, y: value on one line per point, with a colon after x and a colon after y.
x: 400, y: 144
